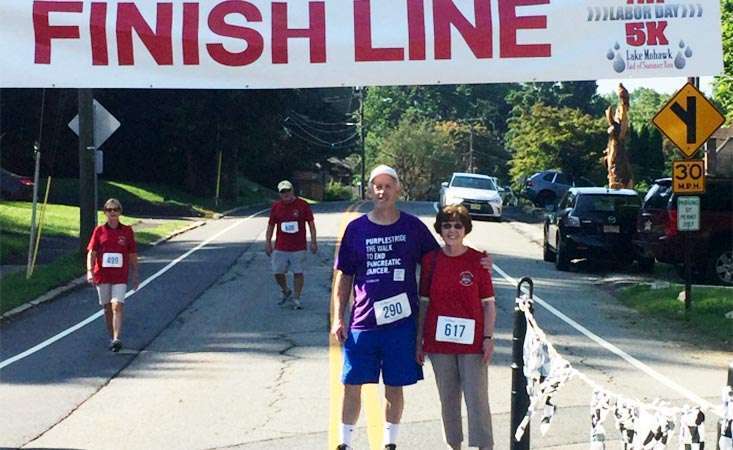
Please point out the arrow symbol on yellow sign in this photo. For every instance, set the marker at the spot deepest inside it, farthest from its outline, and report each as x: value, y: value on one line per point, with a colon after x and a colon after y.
x: 689, y: 117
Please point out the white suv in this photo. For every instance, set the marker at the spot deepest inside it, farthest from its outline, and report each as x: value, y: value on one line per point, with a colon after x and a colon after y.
x: 478, y: 193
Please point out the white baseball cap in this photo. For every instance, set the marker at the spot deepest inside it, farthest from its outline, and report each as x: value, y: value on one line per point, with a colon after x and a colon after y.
x: 284, y: 185
x: 383, y: 170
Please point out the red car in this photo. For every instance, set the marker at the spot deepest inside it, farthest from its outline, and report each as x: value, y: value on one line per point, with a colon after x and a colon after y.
x: 711, y: 247
x: 15, y: 187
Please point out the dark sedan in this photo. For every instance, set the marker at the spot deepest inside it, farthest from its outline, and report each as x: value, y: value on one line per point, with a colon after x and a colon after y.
x: 592, y: 223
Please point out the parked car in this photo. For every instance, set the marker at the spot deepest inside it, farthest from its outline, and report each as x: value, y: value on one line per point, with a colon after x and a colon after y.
x: 711, y: 247
x: 506, y: 193
x: 478, y: 193
x: 545, y: 188
x: 592, y: 223
x: 15, y: 187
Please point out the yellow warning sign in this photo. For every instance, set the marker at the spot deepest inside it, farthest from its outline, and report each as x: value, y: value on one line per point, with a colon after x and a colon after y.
x: 688, y: 177
x: 688, y: 119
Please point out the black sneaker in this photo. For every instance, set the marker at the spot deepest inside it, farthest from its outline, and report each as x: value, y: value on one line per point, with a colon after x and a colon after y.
x: 116, y: 345
x: 390, y: 447
x: 342, y: 447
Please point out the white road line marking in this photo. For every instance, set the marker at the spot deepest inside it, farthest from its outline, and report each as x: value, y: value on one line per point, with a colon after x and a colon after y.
x: 617, y: 351
x: 129, y: 293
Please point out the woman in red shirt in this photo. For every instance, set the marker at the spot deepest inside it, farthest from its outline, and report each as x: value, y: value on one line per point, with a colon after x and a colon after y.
x: 455, y: 328
x: 111, y: 262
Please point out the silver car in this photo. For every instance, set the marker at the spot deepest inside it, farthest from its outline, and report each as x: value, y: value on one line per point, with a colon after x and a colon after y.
x: 478, y: 193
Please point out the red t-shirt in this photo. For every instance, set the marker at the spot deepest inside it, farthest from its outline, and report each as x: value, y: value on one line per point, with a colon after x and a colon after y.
x: 455, y: 289
x: 290, y: 219
x: 113, y: 247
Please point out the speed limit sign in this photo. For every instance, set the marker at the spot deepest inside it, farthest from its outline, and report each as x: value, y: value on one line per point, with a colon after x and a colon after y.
x: 688, y: 176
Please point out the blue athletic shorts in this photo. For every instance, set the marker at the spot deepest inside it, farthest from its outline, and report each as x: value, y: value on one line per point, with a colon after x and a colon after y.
x: 389, y: 351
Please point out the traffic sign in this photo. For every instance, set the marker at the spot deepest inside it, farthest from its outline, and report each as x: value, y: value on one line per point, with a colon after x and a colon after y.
x: 688, y: 213
x: 105, y: 124
x: 688, y: 177
x: 688, y: 119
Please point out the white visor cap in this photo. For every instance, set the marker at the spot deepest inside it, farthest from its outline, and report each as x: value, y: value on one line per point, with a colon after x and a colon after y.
x: 383, y: 170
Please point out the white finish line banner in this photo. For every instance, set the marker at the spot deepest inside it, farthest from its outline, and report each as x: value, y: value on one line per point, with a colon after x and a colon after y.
x: 237, y: 44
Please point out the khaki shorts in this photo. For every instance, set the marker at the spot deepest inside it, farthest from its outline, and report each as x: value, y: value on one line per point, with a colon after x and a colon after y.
x: 284, y: 261
x: 111, y: 293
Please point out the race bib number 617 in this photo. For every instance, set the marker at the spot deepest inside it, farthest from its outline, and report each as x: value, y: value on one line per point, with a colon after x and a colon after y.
x: 455, y: 329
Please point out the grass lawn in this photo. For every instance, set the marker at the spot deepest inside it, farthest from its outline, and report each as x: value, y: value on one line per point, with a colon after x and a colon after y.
x: 706, y: 320
x: 159, y: 198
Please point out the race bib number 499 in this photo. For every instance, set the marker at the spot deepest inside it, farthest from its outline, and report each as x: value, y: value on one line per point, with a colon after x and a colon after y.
x: 455, y: 329
x: 392, y: 309
x: 112, y: 260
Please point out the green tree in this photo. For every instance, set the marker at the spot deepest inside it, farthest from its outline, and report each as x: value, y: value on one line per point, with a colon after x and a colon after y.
x: 484, y: 106
x: 548, y: 137
x: 723, y: 85
x: 645, y: 103
x: 422, y: 154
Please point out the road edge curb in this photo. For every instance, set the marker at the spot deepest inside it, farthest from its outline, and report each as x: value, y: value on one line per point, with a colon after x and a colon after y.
x: 75, y: 283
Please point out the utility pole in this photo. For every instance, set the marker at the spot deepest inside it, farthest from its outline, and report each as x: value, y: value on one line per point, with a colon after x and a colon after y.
x: 363, y: 146
x: 471, y: 168
x: 87, y: 170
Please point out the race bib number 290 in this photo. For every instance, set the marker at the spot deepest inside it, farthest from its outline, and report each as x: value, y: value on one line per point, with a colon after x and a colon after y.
x: 112, y: 260
x: 392, y: 309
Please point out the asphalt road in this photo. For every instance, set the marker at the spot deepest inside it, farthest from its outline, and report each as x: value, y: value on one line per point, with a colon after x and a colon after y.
x: 212, y: 362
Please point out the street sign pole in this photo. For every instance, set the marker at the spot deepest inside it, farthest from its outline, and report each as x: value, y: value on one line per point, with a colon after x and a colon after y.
x: 688, y: 221
x: 688, y: 273
x: 87, y: 205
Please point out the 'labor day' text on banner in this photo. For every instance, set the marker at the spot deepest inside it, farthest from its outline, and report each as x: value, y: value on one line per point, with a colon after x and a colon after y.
x: 237, y: 44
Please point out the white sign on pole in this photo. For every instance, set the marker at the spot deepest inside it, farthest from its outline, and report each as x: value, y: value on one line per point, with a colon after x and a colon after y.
x: 268, y: 44
x: 105, y: 124
x: 688, y: 213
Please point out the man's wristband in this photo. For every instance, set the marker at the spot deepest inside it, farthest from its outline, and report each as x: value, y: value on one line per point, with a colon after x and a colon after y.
x: 488, y: 337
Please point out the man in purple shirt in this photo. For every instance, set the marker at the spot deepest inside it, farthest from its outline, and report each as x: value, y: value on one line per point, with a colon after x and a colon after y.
x: 378, y: 256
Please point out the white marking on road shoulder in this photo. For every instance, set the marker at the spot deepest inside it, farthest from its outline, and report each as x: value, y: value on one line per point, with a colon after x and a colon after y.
x: 129, y: 293
x: 615, y: 350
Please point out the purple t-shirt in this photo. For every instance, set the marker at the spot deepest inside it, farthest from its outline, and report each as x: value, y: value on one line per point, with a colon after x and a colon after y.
x: 383, y: 260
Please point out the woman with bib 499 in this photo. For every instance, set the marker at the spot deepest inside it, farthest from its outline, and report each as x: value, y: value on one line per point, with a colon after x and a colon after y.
x: 455, y: 328
x: 111, y: 262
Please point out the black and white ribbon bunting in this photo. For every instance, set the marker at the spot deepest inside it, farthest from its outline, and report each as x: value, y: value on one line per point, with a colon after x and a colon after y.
x: 653, y: 431
x: 546, y: 372
x: 600, y: 406
x: 626, y: 414
x: 642, y: 426
x: 692, y: 429
x: 548, y: 413
x: 726, y: 423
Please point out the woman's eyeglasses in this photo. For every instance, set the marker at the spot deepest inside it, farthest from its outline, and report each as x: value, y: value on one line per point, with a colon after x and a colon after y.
x: 112, y: 209
x: 449, y: 225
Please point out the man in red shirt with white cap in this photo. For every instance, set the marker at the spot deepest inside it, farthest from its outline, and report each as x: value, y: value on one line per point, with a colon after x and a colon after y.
x: 290, y: 215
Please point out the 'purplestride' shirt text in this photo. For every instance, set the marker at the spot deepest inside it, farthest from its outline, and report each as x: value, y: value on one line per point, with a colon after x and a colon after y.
x: 383, y: 260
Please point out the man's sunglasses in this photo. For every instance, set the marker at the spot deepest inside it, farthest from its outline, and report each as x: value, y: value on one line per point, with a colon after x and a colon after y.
x: 449, y: 225
x: 112, y: 209
x: 285, y: 191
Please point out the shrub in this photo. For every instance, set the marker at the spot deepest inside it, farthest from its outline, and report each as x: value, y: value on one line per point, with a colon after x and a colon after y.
x: 337, y: 191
